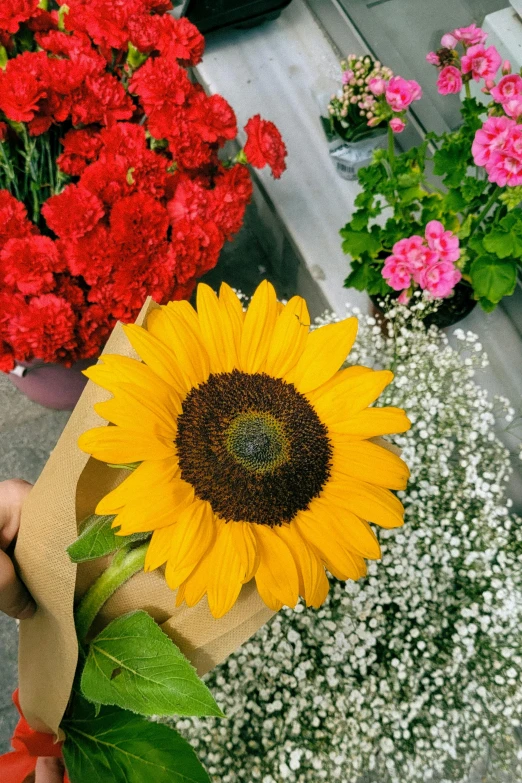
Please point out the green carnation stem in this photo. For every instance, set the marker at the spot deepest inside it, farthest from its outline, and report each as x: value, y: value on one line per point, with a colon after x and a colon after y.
x: 125, y: 564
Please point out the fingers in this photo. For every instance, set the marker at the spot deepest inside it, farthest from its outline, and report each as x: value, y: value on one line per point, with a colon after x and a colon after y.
x: 49, y: 770
x: 12, y: 496
x: 14, y: 598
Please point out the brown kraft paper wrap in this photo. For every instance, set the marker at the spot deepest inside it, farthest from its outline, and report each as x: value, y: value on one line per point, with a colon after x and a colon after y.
x: 66, y: 492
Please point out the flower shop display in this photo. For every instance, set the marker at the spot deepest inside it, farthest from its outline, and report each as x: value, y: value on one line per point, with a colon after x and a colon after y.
x: 414, y: 673
x: 113, y: 183
x: 371, y: 103
x: 477, y: 202
x: 242, y: 461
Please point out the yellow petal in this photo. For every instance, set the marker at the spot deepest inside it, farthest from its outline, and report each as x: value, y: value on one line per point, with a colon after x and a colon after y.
x: 276, y: 574
x: 128, y: 408
x: 313, y: 583
x: 326, y: 350
x: 244, y: 542
x: 289, y: 338
x: 121, y: 446
x: 367, y: 501
x: 113, y: 370
x: 347, y: 529
x: 156, y: 355
x: 369, y: 462
x: 159, y: 548
x: 218, y: 331
x: 226, y: 573
x: 350, y: 395
x: 231, y: 302
x: 146, y: 513
x: 372, y: 422
x: 175, y: 328
x: 338, y: 560
x: 150, y: 479
x: 195, y: 586
x: 258, y: 328
x: 192, y: 536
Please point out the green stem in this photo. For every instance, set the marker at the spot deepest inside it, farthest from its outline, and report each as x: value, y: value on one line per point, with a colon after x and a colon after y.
x: 468, y: 90
x: 493, y: 197
x: 125, y: 564
x: 391, y: 148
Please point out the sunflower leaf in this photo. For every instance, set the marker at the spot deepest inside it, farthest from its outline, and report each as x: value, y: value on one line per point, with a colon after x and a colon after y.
x: 134, y: 665
x: 121, y: 747
x: 98, y: 538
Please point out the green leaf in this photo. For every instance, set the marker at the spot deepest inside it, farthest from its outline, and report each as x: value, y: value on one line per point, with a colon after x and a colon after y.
x: 134, y: 665
x: 486, y: 305
x: 505, y: 239
x: 120, y: 747
x: 357, y: 242
x: 98, y: 538
x: 465, y: 228
x: 493, y: 279
x: 511, y: 197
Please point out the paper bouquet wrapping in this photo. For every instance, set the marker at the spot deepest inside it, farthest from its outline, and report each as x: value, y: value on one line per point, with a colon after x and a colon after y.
x: 67, y: 492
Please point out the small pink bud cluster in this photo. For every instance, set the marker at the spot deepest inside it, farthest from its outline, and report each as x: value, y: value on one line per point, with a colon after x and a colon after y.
x: 426, y: 262
x: 476, y: 62
x: 394, y: 97
x: 355, y: 95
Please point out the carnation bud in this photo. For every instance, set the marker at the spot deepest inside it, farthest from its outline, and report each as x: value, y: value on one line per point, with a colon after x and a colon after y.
x: 506, y: 68
x: 448, y: 41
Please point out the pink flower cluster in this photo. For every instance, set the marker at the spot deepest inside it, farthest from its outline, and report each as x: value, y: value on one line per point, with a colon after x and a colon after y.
x: 427, y: 262
x: 477, y: 62
x: 398, y: 94
x: 498, y: 148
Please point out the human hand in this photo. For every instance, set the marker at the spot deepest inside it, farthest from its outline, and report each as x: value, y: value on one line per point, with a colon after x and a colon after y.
x: 49, y: 770
x: 14, y: 597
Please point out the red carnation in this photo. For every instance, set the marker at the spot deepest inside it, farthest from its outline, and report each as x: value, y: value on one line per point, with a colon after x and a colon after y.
x: 195, y: 248
x: 102, y: 99
x: 139, y: 220
x: 92, y: 257
x: 191, y: 199
x: 160, y: 84
x: 80, y: 147
x: 29, y: 264
x: 14, y: 12
x: 265, y: 145
x: 13, y: 218
x: 44, y: 329
x: 232, y: 192
x: 73, y: 213
x: 212, y: 118
x: 179, y: 39
x: 23, y: 84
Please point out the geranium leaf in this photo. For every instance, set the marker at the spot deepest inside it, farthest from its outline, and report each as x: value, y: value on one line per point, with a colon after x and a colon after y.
x: 97, y: 539
x: 505, y: 240
x: 357, y: 242
x: 492, y: 278
x: 134, y: 665
x: 120, y: 747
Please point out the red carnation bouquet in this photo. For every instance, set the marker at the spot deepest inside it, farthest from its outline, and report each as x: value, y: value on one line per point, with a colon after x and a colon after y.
x: 112, y: 186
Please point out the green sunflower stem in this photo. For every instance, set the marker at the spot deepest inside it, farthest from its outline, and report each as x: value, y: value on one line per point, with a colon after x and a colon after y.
x: 125, y: 564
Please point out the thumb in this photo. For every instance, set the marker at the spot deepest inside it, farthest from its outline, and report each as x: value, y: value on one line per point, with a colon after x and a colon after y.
x: 49, y: 770
x: 14, y: 597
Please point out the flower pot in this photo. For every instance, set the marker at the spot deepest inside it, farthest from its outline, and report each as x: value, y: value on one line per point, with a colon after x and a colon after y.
x: 451, y: 310
x: 209, y: 15
x: 51, y: 385
x: 350, y: 156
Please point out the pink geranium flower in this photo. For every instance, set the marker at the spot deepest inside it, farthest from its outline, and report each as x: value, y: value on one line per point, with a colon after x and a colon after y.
x: 505, y: 169
x: 449, y: 81
x: 440, y: 278
x: 508, y: 87
x: 470, y: 35
x: 433, y: 58
x: 397, y: 273
x: 513, y: 106
x: 397, y: 125
x: 490, y: 139
x: 448, y: 41
x: 445, y: 243
x: 400, y: 93
x: 377, y: 86
x: 481, y: 62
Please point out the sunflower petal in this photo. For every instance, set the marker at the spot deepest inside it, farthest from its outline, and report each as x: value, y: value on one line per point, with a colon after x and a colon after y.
x: 192, y: 536
x: 117, y: 445
x: 226, y: 573
x: 218, y: 331
x: 195, y: 586
x: 159, y: 548
x: 231, y: 302
x: 350, y: 394
x: 289, y: 338
x: 276, y: 573
x: 155, y: 354
x: 146, y: 513
x: 181, y: 336
x: 258, y: 327
x: 367, y: 501
x: 368, y: 462
x: 372, y: 422
x: 326, y: 350
x: 338, y: 560
x: 347, y: 529
x: 128, y: 407
x: 245, y: 545
x: 313, y: 582
x: 138, y: 483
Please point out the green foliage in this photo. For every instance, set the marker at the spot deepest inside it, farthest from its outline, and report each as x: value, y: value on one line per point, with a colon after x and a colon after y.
x: 97, y: 539
x: 505, y: 239
x: 493, y: 278
x: 358, y: 242
x: 114, y: 745
x: 134, y: 665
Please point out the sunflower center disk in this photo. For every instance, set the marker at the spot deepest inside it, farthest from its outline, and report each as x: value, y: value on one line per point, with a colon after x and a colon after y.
x: 253, y: 447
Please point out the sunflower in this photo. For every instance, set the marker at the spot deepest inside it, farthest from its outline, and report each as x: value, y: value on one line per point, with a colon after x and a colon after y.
x: 254, y: 449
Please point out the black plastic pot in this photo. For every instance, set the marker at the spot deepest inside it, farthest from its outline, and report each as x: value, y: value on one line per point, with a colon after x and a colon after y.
x: 210, y: 15
x: 451, y: 310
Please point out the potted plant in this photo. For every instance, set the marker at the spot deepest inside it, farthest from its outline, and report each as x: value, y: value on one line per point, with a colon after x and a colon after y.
x: 111, y: 184
x: 370, y: 100
x: 475, y: 206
